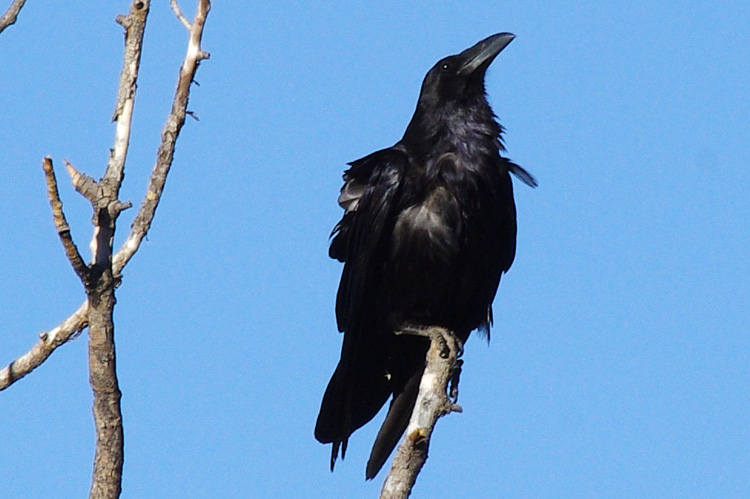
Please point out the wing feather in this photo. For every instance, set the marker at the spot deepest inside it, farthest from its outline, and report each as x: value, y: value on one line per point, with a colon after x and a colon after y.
x: 359, y: 388
x: 364, y: 229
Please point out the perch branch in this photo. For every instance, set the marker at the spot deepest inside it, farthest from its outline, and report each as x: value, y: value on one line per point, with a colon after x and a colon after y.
x: 11, y: 14
x: 432, y: 403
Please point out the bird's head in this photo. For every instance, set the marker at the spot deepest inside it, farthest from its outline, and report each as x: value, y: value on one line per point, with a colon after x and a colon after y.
x: 460, y: 77
x: 453, y: 101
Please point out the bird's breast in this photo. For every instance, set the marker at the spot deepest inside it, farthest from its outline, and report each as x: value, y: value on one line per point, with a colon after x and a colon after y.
x: 429, y: 228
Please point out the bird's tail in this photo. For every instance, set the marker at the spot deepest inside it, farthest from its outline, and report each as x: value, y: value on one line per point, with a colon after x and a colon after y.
x: 364, y: 379
x: 358, y: 389
x: 395, y: 423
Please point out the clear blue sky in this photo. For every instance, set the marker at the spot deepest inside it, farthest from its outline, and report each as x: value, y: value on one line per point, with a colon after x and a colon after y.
x: 620, y: 359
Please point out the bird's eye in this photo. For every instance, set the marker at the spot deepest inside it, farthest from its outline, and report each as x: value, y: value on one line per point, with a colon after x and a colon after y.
x: 445, y: 67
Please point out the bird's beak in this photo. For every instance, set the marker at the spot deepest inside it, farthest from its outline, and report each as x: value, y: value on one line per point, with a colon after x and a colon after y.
x: 483, y: 53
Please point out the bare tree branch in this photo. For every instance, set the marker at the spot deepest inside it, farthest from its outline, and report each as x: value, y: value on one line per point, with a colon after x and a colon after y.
x: 61, y: 224
x: 176, y: 9
x: 49, y: 341
x: 74, y: 324
x: 432, y: 403
x: 102, y: 276
x: 108, y: 461
x: 11, y: 14
x: 84, y: 185
x: 110, y: 454
x: 169, y: 134
x: 135, y: 25
x: 103, y: 375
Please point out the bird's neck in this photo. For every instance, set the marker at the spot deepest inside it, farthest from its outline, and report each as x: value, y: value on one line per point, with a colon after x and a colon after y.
x: 433, y: 132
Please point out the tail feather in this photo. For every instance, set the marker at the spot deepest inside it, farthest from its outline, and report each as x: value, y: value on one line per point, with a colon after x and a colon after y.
x: 399, y: 414
x: 355, y: 394
x: 365, y: 377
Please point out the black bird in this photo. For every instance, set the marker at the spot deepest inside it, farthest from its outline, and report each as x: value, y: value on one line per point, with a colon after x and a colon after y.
x: 429, y: 227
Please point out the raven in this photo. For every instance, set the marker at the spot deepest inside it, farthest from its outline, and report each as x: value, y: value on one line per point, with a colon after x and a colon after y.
x: 428, y: 229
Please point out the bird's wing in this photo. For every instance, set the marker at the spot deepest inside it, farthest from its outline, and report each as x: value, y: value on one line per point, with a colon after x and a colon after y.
x: 369, y: 195
x: 491, y: 249
x: 358, y: 388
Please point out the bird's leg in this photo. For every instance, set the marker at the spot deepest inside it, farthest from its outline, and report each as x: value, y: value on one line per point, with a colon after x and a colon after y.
x: 435, y: 333
x: 448, y: 342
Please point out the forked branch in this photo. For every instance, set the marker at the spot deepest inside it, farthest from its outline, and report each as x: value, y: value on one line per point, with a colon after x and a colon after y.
x: 103, y: 274
x: 78, y: 320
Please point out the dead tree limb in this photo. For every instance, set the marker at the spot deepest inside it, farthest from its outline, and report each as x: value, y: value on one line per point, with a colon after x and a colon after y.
x: 103, y: 195
x: 178, y: 12
x: 11, y: 14
x: 441, y: 369
x: 101, y: 298
x: 169, y: 134
x: 73, y: 325
x: 48, y: 342
x: 102, y: 276
x: 61, y: 224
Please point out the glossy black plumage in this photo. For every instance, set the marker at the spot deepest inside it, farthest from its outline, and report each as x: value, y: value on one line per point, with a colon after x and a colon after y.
x: 429, y: 228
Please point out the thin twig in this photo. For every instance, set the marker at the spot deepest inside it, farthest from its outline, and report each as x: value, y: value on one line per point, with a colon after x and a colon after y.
x: 176, y: 9
x: 11, y: 14
x: 61, y: 224
x: 432, y: 403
